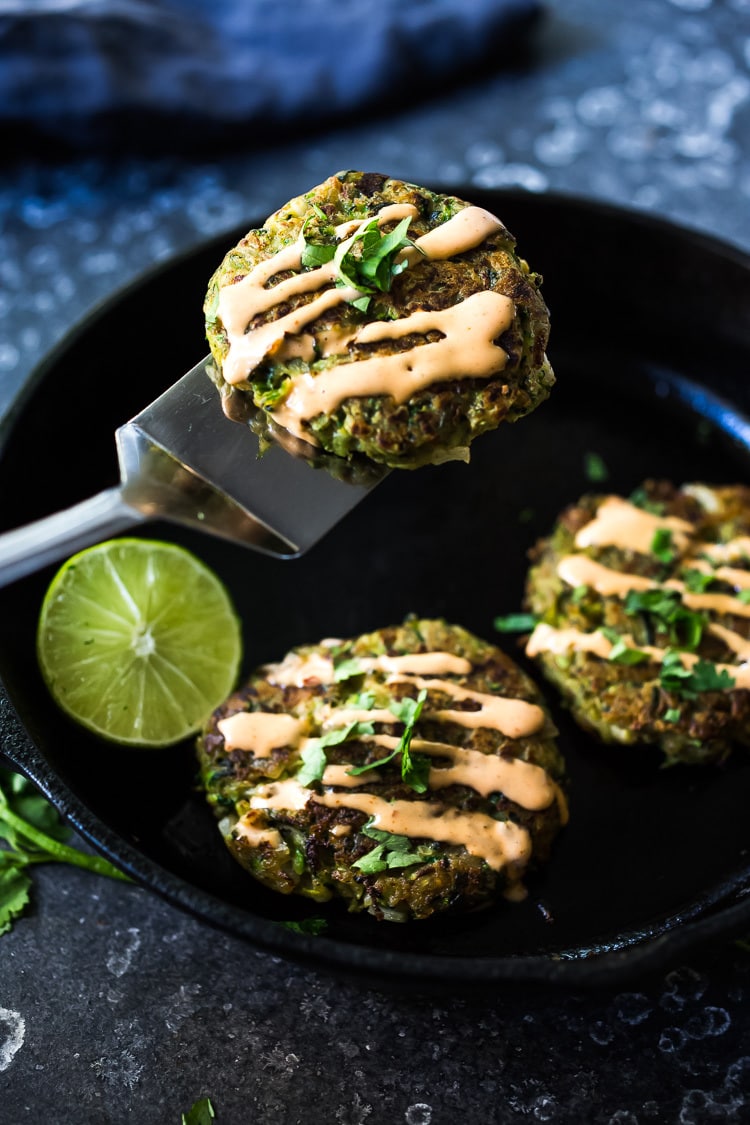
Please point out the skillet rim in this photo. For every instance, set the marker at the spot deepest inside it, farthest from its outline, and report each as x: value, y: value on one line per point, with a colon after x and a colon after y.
x: 724, y: 912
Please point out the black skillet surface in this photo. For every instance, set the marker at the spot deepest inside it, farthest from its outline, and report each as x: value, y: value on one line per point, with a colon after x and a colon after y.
x: 651, y: 345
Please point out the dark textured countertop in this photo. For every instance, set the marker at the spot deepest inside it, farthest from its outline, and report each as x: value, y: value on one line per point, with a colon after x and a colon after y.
x: 115, y: 1007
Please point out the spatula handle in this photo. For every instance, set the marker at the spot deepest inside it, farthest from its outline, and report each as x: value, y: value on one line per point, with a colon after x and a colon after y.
x: 57, y: 536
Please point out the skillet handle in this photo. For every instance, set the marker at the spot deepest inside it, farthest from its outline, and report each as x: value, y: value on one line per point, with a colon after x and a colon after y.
x: 15, y: 744
x: 47, y: 540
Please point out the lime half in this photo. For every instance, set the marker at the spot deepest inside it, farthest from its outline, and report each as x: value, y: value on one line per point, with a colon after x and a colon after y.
x: 138, y: 641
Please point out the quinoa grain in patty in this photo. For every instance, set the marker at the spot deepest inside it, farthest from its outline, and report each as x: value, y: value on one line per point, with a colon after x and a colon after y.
x: 408, y: 772
x: 371, y: 316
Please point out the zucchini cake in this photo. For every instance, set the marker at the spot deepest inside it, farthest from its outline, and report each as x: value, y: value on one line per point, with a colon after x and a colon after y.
x: 643, y: 608
x: 408, y: 772
x: 372, y: 316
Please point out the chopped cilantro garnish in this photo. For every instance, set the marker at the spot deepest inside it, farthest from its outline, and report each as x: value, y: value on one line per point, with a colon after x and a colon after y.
x: 515, y: 623
x: 697, y: 582
x: 685, y: 626
x: 744, y: 597
x: 595, y: 468
x: 579, y: 594
x: 623, y: 653
x: 363, y: 701
x: 672, y: 715
x: 313, y: 755
x: 415, y: 768
x: 366, y: 261
x: 391, y: 851
x: 662, y: 546
x: 640, y: 498
x: 688, y: 682
x: 346, y: 669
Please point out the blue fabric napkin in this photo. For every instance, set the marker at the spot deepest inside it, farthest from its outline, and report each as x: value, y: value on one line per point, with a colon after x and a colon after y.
x: 81, y: 70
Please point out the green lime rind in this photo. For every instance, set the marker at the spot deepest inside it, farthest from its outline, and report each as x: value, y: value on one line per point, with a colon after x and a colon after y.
x: 138, y: 641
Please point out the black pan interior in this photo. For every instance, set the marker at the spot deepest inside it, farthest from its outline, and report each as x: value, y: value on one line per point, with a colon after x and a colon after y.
x: 650, y: 345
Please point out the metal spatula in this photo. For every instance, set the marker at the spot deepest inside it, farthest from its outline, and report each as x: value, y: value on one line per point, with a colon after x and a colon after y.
x: 182, y: 460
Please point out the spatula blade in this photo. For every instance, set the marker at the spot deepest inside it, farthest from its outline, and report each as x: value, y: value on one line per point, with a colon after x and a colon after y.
x: 219, y: 478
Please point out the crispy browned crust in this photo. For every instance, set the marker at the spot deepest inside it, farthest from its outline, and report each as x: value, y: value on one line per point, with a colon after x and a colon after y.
x: 628, y: 704
x: 319, y: 864
x: 442, y: 420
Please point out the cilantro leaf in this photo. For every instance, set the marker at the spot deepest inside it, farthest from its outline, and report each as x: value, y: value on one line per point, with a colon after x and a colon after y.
x: 15, y: 885
x: 640, y: 499
x: 707, y: 677
x: 314, y: 762
x: 515, y: 623
x: 415, y: 769
x: 35, y: 832
x: 662, y: 546
x: 392, y: 851
x: 201, y: 1113
x: 366, y: 261
x: 672, y: 715
x: 622, y: 653
x: 313, y: 755
x: 316, y: 254
x: 595, y: 468
x: 697, y: 582
x: 685, y: 626
x: 688, y: 682
x: 744, y: 597
x: 346, y: 669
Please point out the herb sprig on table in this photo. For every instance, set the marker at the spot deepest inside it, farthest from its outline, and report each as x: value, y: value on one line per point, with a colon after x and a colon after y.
x: 200, y: 1113
x: 34, y: 833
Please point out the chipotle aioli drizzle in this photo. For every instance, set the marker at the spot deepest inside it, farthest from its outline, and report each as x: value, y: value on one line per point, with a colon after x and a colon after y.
x: 500, y: 843
x: 515, y: 718
x: 528, y: 785
x: 468, y: 329
x: 620, y: 523
x: 546, y: 638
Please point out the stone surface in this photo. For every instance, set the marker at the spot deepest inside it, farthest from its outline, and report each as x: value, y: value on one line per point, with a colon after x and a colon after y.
x: 114, y: 1007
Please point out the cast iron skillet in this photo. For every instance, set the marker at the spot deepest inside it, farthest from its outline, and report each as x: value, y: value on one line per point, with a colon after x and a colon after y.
x: 651, y: 345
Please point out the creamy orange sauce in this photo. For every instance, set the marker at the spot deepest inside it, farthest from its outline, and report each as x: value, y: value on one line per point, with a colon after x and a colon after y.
x: 259, y: 731
x: 739, y: 645
x: 466, y: 230
x: 468, y: 329
x: 254, y: 835
x: 426, y: 664
x: 298, y: 671
x: 528, y: 785
x: 733, y: 576
x: 545, y: 638
x: 618, y: 523
x: 735, y: 549
x: 580, y: 570
x: 467, y: 347
x: 499, y: 843
x: 515, y: 718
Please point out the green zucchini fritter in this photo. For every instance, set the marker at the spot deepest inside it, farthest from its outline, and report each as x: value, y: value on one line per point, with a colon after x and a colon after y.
x: 408, y: 772
x: 644, y: 610
x: 371, y: 316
